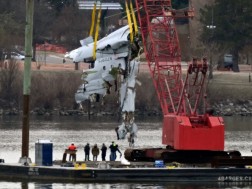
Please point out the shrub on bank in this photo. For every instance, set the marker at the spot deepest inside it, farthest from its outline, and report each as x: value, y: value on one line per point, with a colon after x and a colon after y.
x: 49, y: 90
x: 55, y: 91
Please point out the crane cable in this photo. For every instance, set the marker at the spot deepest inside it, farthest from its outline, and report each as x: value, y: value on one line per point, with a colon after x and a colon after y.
x: 134, y: 18
x: 129, y: 21
x: 93, y: 20
x: 96, y: 32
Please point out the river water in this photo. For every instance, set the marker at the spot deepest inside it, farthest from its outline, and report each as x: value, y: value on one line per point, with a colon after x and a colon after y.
x: 62, y: 131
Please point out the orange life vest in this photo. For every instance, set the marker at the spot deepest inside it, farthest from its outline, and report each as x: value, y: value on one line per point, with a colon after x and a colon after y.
x: 72, y: 147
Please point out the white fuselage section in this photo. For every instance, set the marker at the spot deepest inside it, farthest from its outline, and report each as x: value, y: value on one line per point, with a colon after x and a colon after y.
x: 114, y: 43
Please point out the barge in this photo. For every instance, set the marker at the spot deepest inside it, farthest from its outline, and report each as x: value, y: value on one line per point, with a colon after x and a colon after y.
x: 107, y: 172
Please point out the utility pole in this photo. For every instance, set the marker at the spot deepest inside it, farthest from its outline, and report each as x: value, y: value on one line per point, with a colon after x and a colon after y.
x: 27, y: 81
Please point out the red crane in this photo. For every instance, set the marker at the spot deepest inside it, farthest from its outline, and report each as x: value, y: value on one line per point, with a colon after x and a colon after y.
x: 185, y: 130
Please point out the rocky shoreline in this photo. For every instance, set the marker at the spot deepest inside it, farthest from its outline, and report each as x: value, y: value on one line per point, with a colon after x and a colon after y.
x: 223, y: 108
x: 229, y: 108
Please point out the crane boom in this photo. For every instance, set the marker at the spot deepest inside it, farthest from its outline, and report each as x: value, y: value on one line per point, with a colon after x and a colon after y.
x: 183, y: 128
x: 162, y: 50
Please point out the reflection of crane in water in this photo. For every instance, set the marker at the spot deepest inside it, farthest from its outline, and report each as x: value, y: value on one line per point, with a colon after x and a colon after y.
x: 114, y: 61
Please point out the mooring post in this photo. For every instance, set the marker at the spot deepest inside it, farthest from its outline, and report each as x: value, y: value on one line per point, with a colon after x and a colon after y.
x: 27, y: 81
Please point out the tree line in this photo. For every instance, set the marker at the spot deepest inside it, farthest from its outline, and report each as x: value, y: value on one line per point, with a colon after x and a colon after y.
x: 57, y: 21
x: 61, y: 22
x: 231, y: 30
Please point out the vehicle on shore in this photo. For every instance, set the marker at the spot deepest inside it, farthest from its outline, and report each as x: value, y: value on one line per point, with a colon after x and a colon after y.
x: 13, y: 55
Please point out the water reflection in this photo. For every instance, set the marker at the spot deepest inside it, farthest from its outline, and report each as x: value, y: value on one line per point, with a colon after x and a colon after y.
x: 64, y: 130
x: 238, y: 123
x: 43, y: 185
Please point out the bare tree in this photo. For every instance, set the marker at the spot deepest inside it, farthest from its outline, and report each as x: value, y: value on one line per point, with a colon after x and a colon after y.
x: 9, y: 77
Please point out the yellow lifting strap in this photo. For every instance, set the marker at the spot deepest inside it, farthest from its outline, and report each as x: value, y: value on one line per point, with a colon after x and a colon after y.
x: 129, y: 21
x: 93, y: 20
x: 96, y: 33
x: 134, y: 18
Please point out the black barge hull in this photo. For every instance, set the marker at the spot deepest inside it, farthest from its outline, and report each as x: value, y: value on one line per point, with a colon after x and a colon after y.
x: 71, y: 174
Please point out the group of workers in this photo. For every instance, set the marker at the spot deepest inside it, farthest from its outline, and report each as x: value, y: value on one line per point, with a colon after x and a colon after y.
x: 96, y: 151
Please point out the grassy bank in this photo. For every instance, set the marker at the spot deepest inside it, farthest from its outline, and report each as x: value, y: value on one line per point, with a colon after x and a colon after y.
x: 56, y: 89
x: 229, y: 85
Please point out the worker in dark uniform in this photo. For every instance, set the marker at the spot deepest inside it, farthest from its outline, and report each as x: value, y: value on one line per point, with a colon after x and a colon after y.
x: 104, y: 151
x: 87, y: 152
x: 113, y: 149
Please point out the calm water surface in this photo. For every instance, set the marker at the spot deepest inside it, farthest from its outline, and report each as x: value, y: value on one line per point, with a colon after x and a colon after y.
x: 64, y: 130
x: 34, y: 185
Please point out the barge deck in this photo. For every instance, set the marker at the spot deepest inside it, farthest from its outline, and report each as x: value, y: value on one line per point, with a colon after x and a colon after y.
x: 124, y: 174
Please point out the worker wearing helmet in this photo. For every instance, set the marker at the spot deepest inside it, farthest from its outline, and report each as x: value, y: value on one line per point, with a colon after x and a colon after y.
x: 113, y: 149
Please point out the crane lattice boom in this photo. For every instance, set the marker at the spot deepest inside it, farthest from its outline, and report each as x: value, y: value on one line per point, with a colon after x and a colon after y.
x: 183, y: 128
